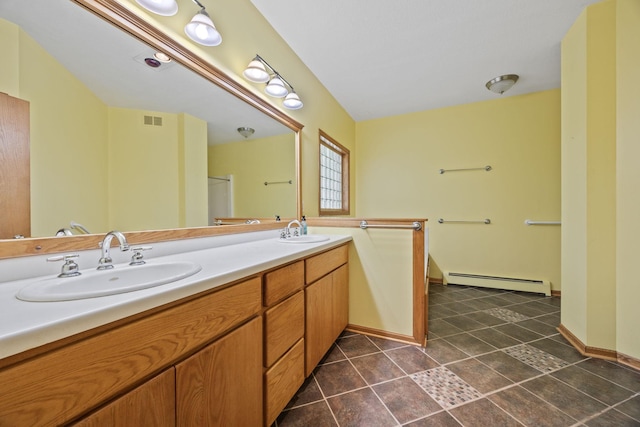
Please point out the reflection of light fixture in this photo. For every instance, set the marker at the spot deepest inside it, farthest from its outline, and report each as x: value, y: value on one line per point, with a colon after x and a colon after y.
x: 259, y: 71
x: 502, y: 84
x: 161, y: 7
x: 246, y: 131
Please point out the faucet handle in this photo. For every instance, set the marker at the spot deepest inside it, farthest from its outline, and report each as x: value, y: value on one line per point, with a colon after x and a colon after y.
x: 137, y: 257
x: 70, y: 268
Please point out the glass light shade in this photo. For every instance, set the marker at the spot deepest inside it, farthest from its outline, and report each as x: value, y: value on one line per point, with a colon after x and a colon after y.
x: 256, y: 72
x: 160, y: 7
x: 292, y: 101
x: 276, y: 88
x: 502, y: 84
x: 201, y: 30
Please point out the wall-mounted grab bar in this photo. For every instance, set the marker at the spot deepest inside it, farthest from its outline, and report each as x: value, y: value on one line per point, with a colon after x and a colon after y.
x: 485, y: 168
x: 415, y: 226
x: 278, y: 182
x: 484, y: 221
x: 531, y: 222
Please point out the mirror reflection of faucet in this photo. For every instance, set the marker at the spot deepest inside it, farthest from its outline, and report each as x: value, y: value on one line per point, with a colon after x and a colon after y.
x: 288, y: 231
x: 105, y: 262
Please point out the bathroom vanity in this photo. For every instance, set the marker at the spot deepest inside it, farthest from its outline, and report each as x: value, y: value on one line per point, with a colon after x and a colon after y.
x: 228, y: 346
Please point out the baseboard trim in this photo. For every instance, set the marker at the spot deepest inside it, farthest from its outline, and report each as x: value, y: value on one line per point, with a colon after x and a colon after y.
x: 382, y: 334
x: 436, y: 281
x: 556, y: 293
x: 599, y: 353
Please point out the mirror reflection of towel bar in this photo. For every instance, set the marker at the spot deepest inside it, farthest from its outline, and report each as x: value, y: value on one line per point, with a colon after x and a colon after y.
x: 485, y: 168
x: 484, y: 221
x: 532, y: 222
x: 278, y: 182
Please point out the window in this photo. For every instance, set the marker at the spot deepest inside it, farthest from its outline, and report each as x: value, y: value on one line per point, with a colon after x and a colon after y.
x: 334, y: 177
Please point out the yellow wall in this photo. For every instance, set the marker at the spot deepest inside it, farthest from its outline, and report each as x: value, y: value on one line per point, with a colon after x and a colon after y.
x: 253, y: 162
x: 599, y: 176
x: 628, y: 177
x: 66, y: 124
x: 193, y: 191
x: 398, y: 160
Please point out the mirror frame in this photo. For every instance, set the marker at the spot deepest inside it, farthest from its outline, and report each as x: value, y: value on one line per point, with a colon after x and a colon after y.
x: 119, y: 16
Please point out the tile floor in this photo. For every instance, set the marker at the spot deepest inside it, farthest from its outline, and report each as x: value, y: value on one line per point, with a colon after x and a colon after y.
x: 494, y: 358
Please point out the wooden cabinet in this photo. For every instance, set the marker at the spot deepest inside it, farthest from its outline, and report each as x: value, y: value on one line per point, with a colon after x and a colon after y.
x: 326, y: 303
x: 284, y: 320
x: 221, y: 385
x: 151, y: 404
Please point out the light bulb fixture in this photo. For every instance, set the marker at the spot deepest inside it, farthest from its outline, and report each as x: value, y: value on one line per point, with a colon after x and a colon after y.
x: 246, y: 131
x: 201, y: 29
x: 259, y: 71
x: 292, y: 101
x: 501, y: 84
x: 160, y: 7
x: 162, y: 57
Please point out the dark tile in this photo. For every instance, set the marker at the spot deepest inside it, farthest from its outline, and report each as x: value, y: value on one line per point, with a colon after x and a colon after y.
x: 529, y: 409
x: 613, y: 372
x: 439, y: 312
x: 411, y: 359
x: 528, y: 309
x: 508, y: 366
x: 443, y: 352
x: 385, y: 344
x: 376, y: 368
x: 338, y: 377
x: 482, y: 413
x: 470, y: 344
x: 538, y: 327
x: 360, y: 408
x: 566, y: 398
x: 469, y: 293
x: 559, y: 350
x: 498, y: 300
x: 550, y: 319
x: 459, y: 307
x: 465, y: 323
x: 406, y: 400
x: 441, y: 419
x: 479, y: 376
x: 333, y: 355
x: 517, y: 298
x: 495, y: 338
x: 357, y: 345
x: 441, y: 298
x: 442, y: 328
x: 307, y: 393
x: 317, y: 414
x: 485, y: 318
x: 593, y: 385
x: 554, y: 301
x: 515, y: 331
x: 612, y: 418
x: 631, y: 407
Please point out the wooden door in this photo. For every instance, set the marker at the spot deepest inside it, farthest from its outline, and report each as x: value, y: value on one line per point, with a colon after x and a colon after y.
x: 15, y: 187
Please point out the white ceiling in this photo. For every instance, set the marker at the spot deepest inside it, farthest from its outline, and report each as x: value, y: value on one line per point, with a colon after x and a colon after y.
x: 381, y: 58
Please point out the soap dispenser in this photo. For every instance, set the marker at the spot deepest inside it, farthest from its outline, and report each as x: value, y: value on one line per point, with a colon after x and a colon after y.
x: 303, y: 223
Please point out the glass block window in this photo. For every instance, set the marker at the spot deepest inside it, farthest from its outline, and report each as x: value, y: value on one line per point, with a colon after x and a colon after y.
x: 334, y: 177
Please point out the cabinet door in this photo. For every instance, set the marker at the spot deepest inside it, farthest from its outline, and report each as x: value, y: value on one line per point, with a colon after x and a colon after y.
x: 319, y: 334
x: 221, y: 385
x: 151, y: 404
x: 340, y: 290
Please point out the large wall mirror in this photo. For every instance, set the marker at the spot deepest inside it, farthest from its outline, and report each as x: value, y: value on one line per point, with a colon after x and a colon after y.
x: 118, y: 142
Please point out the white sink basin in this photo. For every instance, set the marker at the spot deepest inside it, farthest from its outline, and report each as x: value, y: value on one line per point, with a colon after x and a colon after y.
x: 307, y: 238
x: 99, y: 283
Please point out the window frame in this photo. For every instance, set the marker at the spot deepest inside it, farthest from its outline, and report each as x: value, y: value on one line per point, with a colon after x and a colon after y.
x: 332, y: 144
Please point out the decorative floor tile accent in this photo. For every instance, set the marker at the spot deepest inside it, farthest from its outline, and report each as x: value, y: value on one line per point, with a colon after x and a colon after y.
x: 506, y: 315
x: 445, y: 387
x: 536, y: 358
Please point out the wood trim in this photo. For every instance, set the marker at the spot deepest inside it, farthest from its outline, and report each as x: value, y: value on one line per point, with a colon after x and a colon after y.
x: 355, y: 222
x: 556, y: 293
x: 346, y: 181
x: 436, y: 281
x: 364, y: 330
x: 419, y: 288
x: 598, y: 353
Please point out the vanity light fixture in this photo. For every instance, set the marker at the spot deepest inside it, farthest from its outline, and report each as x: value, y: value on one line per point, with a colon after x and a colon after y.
x: 201, y: 29
x: 501, y: 84
x: 162, y: 57
x: 160, y: 7
x: 246, y: 131
x: 259, y: 71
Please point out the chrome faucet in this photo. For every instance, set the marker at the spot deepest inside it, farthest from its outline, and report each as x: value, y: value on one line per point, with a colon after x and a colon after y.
x: 287, y: 230
x: 105, y: 261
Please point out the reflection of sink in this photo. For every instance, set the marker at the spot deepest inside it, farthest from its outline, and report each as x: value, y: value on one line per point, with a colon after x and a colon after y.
x: 307, y: 238
x: 96, y: 283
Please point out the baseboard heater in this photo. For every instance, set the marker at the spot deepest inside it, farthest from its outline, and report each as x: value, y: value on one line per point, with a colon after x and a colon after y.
x: 508, y: 283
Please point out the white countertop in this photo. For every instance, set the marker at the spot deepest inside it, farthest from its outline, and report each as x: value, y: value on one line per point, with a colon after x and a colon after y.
x: 25, y: 325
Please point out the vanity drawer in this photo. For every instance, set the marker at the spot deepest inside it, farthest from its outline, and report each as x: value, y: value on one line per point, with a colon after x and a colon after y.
x: 280, y: 283
x: 326, y: 262
x: 282, y: 381
x: 283, y: 326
